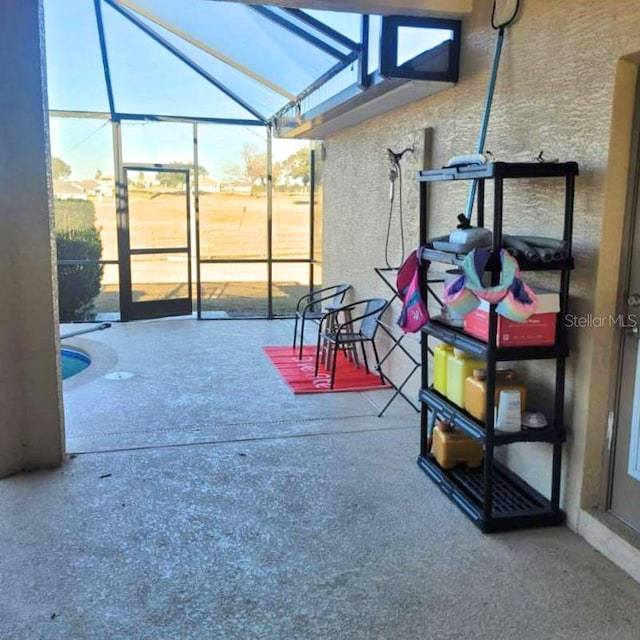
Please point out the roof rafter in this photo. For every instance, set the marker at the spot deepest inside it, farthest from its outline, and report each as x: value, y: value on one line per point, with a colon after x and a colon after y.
x: 270, y: 14
x: 323, y: 28
x: 105, y: 57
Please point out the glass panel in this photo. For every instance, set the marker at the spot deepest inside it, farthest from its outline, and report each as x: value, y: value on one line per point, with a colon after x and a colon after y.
x: 259, y: 96
x: 148, y: 79
x: 375, y: 31
x: 346, y: 23
x: 291, y: 211
x: 84, y: 210
x: 157, y: 142
x: 290, y: 281
x: 74, y: 65
x: 83, y: 184
x: 412, y: 41
x: 244, y: 35
x: 318, y: 208
x: 159, y: 277
x: 107, y: 304
x: 300, y: 24
x: 233, y: 290
x: 157, y: 209
x: 233, y: 203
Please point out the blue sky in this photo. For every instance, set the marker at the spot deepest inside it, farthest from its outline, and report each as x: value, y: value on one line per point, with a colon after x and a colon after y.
x: 86, y: 145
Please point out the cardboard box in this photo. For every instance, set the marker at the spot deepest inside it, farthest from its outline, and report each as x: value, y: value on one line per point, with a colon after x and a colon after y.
x: 538, y: 330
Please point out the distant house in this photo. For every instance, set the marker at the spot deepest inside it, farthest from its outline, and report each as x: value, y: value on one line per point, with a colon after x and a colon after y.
x: 237, y: 186
x: 207, y: 185
x: 64, y: 190
x: 90, y: 186
x: 105, y: 187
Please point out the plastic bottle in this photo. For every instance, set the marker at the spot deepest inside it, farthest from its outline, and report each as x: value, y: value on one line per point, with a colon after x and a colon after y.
x: 460, y: 366
x: 475, y: 391
x: 440, y: 356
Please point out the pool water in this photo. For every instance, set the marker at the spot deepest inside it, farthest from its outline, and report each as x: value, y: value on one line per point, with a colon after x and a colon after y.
x: 73, y: 362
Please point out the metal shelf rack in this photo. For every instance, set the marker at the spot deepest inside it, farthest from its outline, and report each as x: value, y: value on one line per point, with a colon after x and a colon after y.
x: 493, y: 497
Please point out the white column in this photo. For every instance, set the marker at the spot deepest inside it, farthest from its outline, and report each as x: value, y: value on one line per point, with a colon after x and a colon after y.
x: 31, y: 417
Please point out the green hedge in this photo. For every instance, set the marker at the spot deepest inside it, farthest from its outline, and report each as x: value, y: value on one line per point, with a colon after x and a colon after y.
x: 74, y: 214
x: 78, y: 285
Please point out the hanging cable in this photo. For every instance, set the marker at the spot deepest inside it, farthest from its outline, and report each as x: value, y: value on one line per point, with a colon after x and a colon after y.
x: 395, y: 174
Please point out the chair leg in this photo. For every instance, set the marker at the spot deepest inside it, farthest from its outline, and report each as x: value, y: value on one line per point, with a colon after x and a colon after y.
x: 364, y: 357
x: 378, y: 368
x: 295, y: 331
x: 318, y: 352
x: 336, y: 348
x: 301, y: 337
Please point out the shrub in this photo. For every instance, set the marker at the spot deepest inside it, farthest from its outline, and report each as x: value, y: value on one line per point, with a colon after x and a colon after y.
x: 74, y: 214
x: 78, y: 285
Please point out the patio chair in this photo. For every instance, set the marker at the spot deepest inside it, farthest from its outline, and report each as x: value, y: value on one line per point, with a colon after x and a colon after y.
x: 310, y: 307
x: 345, y: 328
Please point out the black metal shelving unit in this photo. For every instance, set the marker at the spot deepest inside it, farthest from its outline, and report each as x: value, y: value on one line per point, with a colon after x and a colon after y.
x: 494, y: 497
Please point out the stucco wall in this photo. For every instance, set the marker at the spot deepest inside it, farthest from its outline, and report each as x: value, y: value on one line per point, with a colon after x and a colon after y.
x: 31, y: 421
x: 554, y: 93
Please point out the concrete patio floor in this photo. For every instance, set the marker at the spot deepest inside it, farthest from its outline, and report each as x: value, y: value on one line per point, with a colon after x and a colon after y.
x: 204, y: 501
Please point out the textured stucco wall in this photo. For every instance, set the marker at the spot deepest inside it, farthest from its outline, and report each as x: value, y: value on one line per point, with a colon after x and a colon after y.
x: 31, y: 421
x: 554, y: 93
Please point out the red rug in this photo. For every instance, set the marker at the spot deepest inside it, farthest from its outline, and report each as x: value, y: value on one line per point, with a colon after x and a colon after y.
x: 298, y: 374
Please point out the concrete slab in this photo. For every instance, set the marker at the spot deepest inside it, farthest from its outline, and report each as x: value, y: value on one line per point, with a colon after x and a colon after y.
x: 182, y: 381
x: 229, y: 508
x: 332, y: 536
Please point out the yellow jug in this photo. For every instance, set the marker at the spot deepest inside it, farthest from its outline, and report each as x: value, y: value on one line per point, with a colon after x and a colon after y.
x: 460, y: 366
x: 440, y: 356
x: 475, y: 391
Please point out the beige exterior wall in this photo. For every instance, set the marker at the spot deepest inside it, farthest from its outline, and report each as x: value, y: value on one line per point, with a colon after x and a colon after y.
x: 555, y: 92
x: 31, y: 421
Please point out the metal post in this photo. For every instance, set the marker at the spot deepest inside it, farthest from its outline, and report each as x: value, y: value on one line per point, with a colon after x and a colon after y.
x: 485, y: 117
x: 122, y: 223
x: 269, y: 224
x: 196, y: 207
x: 312, y: 215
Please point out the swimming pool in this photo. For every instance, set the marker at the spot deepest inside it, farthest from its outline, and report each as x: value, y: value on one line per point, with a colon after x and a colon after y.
x: 73, y: 362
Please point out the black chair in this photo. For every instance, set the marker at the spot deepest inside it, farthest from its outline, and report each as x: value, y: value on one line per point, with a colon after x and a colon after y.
x: 345, y: 328
x: 310, y: 307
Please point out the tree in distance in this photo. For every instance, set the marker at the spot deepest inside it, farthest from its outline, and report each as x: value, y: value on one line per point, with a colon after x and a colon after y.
x: 175, y: 180
x: 60, y: 169
x: 297, y: 167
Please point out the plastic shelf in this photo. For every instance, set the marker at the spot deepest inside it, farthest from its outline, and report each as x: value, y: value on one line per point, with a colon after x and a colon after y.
x: 461, y: 340
x: 515, y: 505
x: 456, y: 259
x: 475, y: 429
x: 501, y: 170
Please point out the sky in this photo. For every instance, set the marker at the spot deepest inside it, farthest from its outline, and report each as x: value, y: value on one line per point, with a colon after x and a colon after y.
x: 86, y: 145
x: 148, y: 79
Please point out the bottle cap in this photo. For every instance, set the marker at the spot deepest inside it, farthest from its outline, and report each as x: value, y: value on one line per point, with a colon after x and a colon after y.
x: 480, y: 374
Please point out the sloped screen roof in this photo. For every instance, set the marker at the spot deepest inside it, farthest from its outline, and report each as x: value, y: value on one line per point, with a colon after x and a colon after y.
x: 161, y: 55
x: 203, y: 59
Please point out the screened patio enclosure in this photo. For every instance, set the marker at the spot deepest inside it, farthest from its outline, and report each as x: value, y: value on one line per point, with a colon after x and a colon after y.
x: 186, y: 142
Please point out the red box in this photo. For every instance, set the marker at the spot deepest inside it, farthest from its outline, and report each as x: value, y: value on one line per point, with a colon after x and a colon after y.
x: 538, y: 330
